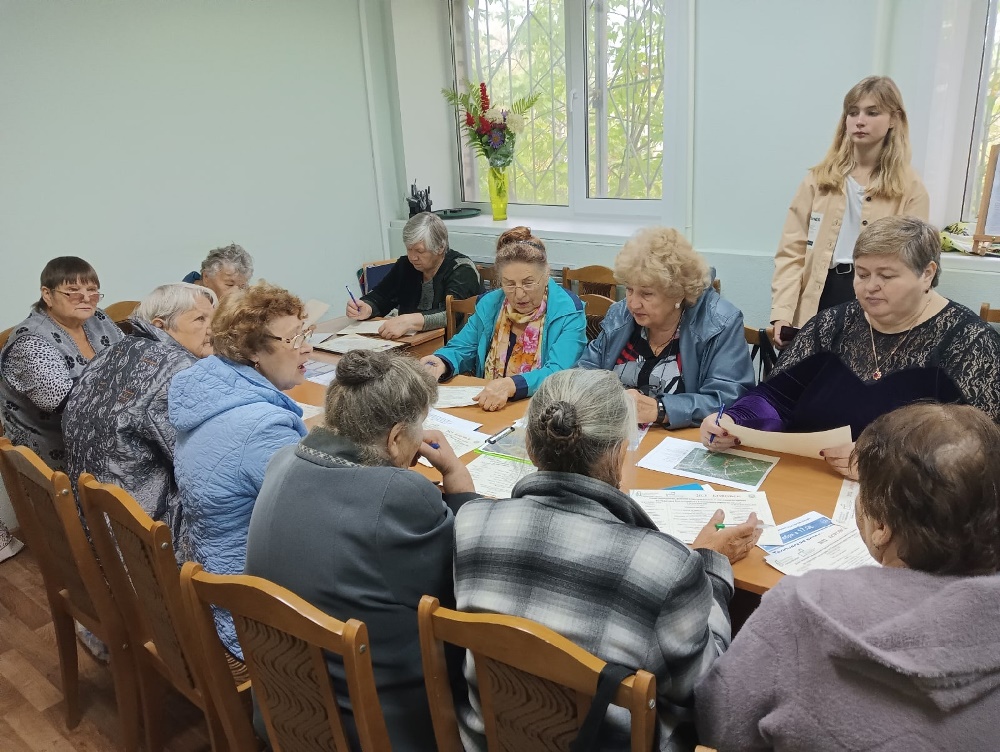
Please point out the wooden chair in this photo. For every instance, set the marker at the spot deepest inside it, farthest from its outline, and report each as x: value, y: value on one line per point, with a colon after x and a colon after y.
x: 703, y: 748
x: 596, y: 308
x: 283, y: 640
x: 591, y: 280
x: 987, y: 314
x: 453, y: 309
x: 535, y: 686
x: 74, y: 584
x: 761, y: 342
x: 121, y: 310
x: 717, y: 285
x: 487, y: 277
x: 4, y: 336
x: 138, y: 558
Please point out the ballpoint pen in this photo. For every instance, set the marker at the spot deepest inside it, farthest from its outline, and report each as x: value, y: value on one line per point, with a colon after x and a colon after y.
x: 499, y: 435
x: 758, y: 526
x: 722, y: 408
x: 353, y: 299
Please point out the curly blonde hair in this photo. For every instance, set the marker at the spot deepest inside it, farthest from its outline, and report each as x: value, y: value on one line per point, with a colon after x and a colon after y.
x: 887, y: 179
x: 662, y: 258
x: 239, y: 327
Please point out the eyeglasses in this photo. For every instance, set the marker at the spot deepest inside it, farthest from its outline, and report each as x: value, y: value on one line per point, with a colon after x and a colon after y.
x: 529, y: 286
x: 298, y: 340
x: 79, y: 297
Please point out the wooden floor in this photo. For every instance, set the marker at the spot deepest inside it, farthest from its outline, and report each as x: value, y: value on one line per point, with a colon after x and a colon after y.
x: 32, y: 712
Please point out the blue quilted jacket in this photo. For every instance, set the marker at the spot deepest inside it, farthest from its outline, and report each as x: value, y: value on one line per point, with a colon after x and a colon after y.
x: 230, y: 420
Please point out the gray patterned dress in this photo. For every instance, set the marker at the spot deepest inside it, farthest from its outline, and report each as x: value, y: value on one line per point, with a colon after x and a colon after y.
x: 38, y: 367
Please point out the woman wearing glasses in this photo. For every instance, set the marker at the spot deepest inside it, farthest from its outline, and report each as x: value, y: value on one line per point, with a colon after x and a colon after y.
x: 47, y: 352
x: 231, y: 417
x: 520, y: 334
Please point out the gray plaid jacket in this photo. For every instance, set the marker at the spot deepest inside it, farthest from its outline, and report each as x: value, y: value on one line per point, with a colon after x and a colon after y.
x: 566, y: 551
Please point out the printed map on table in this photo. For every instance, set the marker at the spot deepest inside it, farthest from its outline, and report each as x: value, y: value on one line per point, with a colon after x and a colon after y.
x: 739, y: 471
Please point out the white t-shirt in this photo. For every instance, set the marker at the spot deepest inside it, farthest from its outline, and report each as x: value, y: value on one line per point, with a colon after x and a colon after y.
x: 851, y: 226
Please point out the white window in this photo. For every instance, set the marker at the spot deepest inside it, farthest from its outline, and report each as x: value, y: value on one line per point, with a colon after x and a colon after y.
x: 594, y: 141
x: 987, y: 130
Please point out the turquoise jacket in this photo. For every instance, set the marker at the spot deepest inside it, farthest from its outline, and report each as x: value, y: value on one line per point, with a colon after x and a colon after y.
x: 563, y: 338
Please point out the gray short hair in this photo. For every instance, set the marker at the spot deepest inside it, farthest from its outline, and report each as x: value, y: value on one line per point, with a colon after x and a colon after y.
x: 371, y: 393
x: 578, y: 421
x: 426, y: 228
x: 231, y: 255
x: 916, y: 242
x: 167, y: 302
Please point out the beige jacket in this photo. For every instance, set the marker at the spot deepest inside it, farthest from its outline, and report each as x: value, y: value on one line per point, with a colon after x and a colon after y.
x: 810, y: 236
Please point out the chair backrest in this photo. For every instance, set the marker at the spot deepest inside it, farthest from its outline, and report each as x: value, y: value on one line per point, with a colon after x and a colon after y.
x: 987, y: 314
x: 596, y: 308
x: 283, y: 640
x: 761, y: 349
x: 454, y: 308
x: 138, y: 559
x: 487, y: 277
x: 373, y: 272
x: 522, y: 665
x: 591, y: 280
x: 121, y: 310
x: 717, y: 285
x: 4, y: 336
x: 55, y: 532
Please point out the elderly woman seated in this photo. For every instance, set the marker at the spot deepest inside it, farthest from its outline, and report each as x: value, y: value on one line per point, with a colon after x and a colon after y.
x: 898, y: 343
x: 419, y: 282
x: 46, y: 354
x: 345, y: 504
x: 560, y: 550
x: 231, y: 417
x: 905, y: 656
x: 115, y: 424
x: 225, y: 270
x: 673, y: 342
x: 528, y: 329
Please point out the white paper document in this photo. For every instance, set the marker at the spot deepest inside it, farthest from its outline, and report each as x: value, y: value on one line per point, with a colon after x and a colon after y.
x: 319, y: 372
x: 689, y: 459
x: 363, y: 327
x: 438, y: 420
x: 496, y: 476
x: 797, y: 530
x: 309, y: 411
x: 355, y: 342
x: 802, y: 444
x: 456, y: 396
x: 843, y: 514
x: 461, y: 439
x: 833, y: 547
x: 683, y: 514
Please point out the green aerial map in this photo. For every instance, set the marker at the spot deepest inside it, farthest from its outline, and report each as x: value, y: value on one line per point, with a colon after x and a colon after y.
x: 725, y: 467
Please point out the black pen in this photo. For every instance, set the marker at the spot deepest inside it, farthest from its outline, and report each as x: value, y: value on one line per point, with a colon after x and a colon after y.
x: 499, y: 435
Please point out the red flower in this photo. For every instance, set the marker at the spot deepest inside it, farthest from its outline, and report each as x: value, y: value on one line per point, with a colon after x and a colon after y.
x: 469, y: 119
x: 484, y: 98
x: 485, y: 126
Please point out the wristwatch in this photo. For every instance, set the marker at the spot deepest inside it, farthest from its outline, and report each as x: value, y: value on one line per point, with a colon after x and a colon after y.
x: 661, y: 412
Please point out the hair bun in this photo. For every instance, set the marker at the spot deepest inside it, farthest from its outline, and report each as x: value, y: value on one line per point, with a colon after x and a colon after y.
x: 561, y: 422
x: 519, y: 234
x: 361, y: 366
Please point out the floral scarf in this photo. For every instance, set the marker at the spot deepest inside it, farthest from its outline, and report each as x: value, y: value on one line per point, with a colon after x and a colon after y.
x: 527, y: 355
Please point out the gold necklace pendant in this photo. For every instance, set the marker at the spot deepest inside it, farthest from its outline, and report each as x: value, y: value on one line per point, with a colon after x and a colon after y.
x: 876, y: 374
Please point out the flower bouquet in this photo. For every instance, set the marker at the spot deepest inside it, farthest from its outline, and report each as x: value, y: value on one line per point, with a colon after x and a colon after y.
x: 491, y: 131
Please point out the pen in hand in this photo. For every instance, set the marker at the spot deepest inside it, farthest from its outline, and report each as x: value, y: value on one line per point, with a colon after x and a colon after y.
x: 353, y: 299
x: 722, y: 408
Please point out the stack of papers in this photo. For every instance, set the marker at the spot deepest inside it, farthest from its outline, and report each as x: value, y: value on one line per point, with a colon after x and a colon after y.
x: 683, y: 513
x: 355, y: 342
x: 689, y: 459
x: 496, y: 476
x: 813, y: 541
x: 460, y: 434
x: 456, y: 396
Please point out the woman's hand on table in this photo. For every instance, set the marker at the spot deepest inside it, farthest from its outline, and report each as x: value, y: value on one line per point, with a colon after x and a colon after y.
x: 495, y: 394
x: 359, y: 311
x: 839, y: 458
x: 723, y: 439
x: 646, y: 408
x: 455, y: 477
x: 398, y: 326
x: 434, y: 365
x: 734, y: 541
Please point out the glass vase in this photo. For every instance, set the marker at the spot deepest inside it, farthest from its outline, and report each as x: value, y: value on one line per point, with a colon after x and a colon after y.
x: 499, y: 182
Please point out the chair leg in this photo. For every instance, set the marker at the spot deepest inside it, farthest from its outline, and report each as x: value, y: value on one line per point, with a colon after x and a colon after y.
x: 69, y: 670
x: 153, y: 697
x: 126, y: 693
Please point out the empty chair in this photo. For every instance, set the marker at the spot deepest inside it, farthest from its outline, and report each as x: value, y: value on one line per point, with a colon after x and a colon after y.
x: 74, y: 585
x: 535, y: 686
x: 455, y: 309
x: 138, y: 558
x: 283, y: 640
x: 595, y: 307
x: 591, y: 280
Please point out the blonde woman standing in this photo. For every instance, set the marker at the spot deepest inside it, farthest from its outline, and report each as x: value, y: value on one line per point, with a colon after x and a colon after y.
x: 866, y: 175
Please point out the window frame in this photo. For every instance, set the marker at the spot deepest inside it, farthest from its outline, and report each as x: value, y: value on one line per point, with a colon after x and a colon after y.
x: 966, y: 211
x: 674, y: 207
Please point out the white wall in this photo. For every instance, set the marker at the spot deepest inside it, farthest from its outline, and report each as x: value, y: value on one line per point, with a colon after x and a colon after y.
x: 139, y: 135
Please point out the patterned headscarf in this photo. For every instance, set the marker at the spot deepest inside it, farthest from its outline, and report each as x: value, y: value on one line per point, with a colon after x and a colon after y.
x: 527, y: 353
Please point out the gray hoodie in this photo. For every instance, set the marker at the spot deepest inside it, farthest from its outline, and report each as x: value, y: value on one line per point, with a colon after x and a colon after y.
x: 866, y: 659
